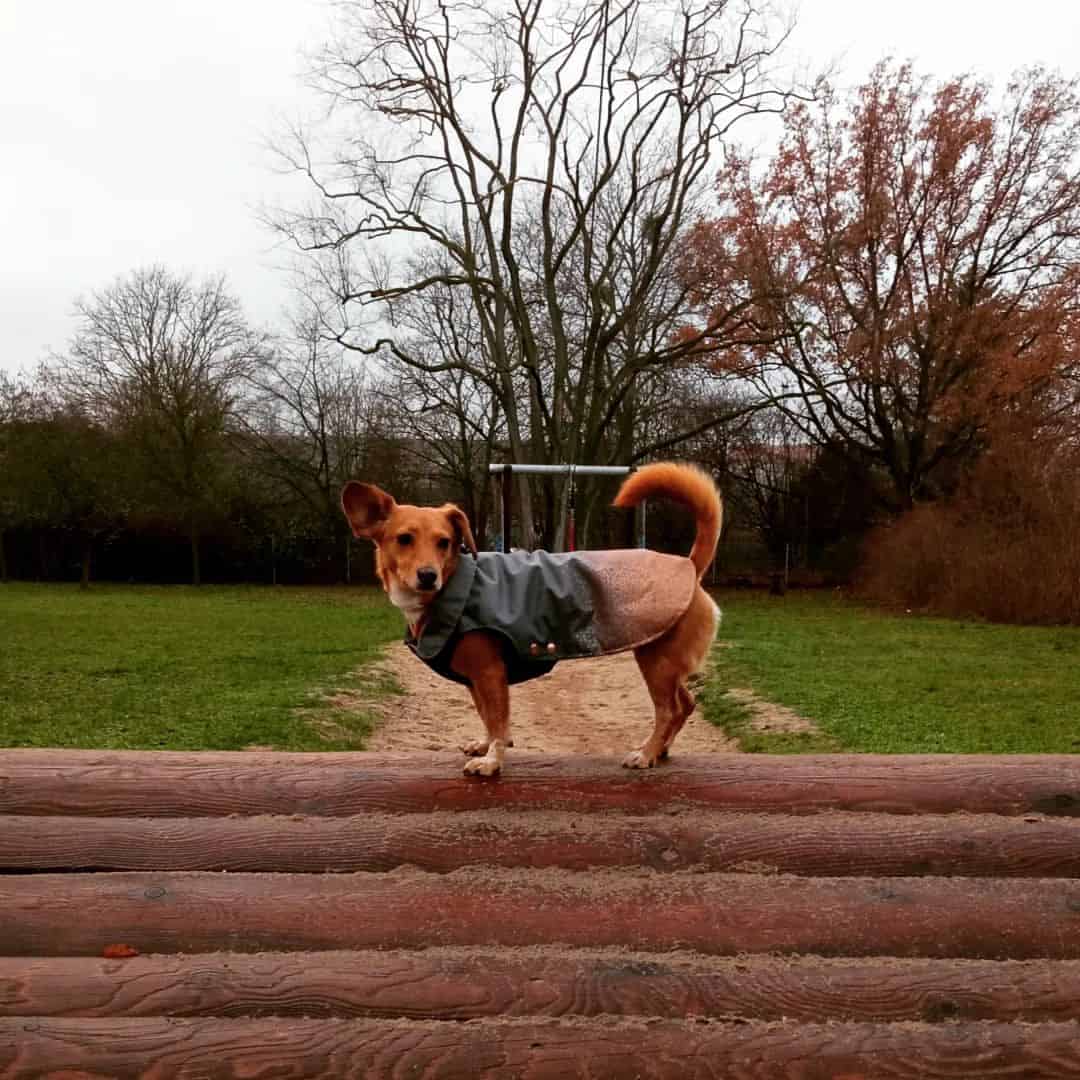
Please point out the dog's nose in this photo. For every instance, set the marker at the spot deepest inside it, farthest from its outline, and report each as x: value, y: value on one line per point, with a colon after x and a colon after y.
x: 426, y: 577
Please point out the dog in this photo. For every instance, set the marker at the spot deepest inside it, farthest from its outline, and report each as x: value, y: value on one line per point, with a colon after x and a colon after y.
x: 489, y: 620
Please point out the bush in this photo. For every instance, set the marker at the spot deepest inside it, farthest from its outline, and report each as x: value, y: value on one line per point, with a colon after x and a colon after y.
x: 1006, y: 547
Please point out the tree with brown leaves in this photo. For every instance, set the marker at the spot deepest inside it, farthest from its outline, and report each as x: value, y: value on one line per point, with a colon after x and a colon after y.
x: 912, y: 259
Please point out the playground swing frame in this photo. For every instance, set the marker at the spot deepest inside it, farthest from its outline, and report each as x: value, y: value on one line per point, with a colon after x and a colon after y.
x: 508, y: 469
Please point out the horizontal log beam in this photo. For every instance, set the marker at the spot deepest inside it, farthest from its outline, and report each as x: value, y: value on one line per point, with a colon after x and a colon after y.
x: 370, y: 1048
x: 74, y: 914
x: 150, y: 784
x: 467, y: 984
x: 822, y: 845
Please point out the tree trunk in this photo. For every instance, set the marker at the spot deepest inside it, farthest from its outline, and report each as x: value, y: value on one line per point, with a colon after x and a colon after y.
x: 84, y: 581
x: 3, y: 561
x: 196, y: 570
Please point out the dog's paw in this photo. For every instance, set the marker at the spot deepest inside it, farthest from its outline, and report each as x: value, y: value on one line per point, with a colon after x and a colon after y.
x: 475, y: 748
x: 481, y: 766
x: 638, y: 759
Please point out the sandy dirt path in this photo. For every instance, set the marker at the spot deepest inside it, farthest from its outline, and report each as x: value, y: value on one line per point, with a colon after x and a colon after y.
x: 584, y: 706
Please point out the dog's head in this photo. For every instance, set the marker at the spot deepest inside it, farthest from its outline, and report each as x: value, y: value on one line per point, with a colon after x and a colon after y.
x: 416, y: 547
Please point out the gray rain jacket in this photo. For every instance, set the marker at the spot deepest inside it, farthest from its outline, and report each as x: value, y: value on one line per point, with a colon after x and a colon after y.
x: 548, y: 607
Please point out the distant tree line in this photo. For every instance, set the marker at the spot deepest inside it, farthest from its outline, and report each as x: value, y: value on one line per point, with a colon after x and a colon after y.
x: 171, y: 443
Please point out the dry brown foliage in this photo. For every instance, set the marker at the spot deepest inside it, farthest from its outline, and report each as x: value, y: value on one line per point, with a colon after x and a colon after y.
x: 1006, y: 547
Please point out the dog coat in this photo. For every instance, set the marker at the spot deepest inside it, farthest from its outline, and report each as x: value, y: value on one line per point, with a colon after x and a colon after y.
x: 548, y: 607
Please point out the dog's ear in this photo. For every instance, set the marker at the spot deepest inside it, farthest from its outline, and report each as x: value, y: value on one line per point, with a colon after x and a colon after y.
x: 366, y: 507
x: 461, y: 526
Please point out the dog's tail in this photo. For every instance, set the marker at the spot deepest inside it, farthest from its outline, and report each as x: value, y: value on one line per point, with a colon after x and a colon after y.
x: 688, y: 485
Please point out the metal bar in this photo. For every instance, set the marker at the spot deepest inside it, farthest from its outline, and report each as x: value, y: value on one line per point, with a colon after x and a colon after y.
x: 564, y: 470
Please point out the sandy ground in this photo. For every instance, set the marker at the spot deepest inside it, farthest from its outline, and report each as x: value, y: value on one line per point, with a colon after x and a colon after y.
x: 584, y: 706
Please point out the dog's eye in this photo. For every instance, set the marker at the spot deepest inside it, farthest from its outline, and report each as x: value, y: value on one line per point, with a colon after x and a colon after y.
x: 444, y: 544
x: 405, y: 539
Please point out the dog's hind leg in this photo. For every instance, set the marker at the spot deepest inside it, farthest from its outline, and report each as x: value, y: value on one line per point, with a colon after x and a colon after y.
x: 662, y: 679
x: 665, y: 665
x: 685, y: 706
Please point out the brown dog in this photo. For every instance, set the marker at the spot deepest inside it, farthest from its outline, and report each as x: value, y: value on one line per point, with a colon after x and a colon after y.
x: 489, y: 620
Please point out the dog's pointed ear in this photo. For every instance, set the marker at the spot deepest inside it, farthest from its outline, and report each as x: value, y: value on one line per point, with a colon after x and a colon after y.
x: 461, y: 526
x: 366, y: 507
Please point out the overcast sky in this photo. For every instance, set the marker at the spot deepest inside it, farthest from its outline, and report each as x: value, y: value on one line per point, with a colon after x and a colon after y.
x: 133, y: 130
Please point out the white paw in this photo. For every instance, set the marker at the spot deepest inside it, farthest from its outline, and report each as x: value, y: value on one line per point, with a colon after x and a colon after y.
x: 474, y: 748
x: 638, y: 759
x: 481, y: 766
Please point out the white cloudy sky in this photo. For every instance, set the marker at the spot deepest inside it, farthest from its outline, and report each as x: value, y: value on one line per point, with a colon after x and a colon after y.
x: 133, y: 130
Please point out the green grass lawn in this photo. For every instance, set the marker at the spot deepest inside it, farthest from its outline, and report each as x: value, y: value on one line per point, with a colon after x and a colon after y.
x: 227, y: 668
x: 183, y: 668
x: 894, y: 683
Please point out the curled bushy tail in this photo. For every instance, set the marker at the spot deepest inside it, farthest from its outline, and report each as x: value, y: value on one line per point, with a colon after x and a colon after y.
x: 688, y: 485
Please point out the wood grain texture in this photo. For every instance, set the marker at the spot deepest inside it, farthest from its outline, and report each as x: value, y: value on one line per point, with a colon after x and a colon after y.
x: 75, y: 914
x: 465, y: 984
x: 823, y: 845
x: 151, y: 784
x: 217, y: 1049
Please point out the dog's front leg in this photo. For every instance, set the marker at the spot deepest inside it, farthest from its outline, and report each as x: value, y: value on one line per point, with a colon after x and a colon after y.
x: 492, y: 697
x: 479, y: 658
x: 478, y: 747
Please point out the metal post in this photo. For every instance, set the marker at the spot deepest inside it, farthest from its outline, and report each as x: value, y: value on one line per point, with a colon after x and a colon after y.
x: 507, y: 491
x: 571, y: 525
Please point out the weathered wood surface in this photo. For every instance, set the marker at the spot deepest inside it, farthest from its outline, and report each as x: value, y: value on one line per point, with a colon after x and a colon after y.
x: 212, y: 1049
x: 823, y: 845
x: 77, y: 914
x: 151, y: 784
x: 465, y: 984
x: 732, y: 916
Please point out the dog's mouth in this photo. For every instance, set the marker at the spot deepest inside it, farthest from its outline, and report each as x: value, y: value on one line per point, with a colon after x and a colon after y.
x: 408, y: 595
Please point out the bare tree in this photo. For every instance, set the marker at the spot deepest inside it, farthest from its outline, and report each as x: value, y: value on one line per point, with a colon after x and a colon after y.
x: 453, y: 430
x: 541, y: 162
x: 160, y: 357
x: 308, y: 421
x: 767, y: 459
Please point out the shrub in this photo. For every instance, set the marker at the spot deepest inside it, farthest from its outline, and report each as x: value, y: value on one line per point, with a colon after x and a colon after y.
x: 1005, y: 547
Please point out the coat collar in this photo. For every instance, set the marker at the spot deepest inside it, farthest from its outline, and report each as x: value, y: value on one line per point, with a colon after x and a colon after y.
x: 445, y: 613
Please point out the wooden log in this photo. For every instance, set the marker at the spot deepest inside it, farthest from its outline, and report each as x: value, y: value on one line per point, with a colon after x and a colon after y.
x: 466, y: 984
x: 828, y: 844
x: 75, y: 914
x: 150, y: 784
x: 211, y: 1049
